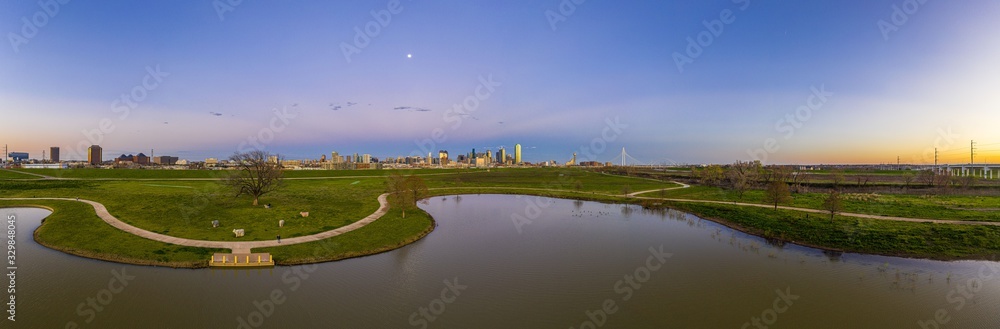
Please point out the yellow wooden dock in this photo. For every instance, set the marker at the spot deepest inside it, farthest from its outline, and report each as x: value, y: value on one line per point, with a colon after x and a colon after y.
x: 241, y: 260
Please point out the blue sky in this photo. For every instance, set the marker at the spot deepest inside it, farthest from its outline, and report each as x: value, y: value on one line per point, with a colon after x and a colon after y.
x: 929, y: 84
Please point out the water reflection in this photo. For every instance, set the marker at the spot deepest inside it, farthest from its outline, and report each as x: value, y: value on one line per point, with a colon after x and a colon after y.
x: 567, y: 262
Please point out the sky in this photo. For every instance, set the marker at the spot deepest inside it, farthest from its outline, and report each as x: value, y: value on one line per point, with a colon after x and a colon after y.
x: 859, y: 81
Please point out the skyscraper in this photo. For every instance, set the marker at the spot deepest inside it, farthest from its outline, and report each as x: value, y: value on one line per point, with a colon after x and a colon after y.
x: 517, y: 153
x: 94, y: 153
x: 54, y: 154
x: 443, y: 157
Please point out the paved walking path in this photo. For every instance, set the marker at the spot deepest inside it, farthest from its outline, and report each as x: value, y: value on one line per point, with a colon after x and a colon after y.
x: 26, y: 173
x: 682, y: 185
x: 244, y: 247
x: 237, y: 247
x: 809, y: 210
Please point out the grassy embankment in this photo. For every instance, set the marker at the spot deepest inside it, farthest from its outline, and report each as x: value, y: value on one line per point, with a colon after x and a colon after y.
x: 948, y: 207
x: 849, y: 234
x: 186, y: 208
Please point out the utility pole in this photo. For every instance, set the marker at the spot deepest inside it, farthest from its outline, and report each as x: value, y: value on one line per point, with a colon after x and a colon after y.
x: 972, y: 152
x: 935, y: 159
x: 897, y: 163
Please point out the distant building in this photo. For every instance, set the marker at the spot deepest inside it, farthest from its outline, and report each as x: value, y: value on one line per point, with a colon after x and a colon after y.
x: 572, y: 162
x: 54, y: 154
x: 366, y: 158
x: 443, y: 157
x: 211, y: 161
x: 141, y: 159
x: 45, y: 165
x: 165, y: 160
x: 95, y: 155
x: 517, y: 153
x: 18, y: 156
x: 502, y: 155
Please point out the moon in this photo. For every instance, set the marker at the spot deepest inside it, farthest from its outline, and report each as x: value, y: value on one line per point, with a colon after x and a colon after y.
x: 409, y: 55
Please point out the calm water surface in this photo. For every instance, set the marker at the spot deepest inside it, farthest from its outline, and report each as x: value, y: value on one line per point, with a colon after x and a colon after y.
x: 499, y: 261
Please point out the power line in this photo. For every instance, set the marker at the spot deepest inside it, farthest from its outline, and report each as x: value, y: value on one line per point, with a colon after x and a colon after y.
x: 972, y: 152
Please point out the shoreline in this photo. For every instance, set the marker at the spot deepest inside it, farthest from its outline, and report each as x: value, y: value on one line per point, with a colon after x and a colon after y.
x: 567, y: 195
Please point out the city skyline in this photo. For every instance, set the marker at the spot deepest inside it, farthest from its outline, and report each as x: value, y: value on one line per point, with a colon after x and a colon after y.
x: 709, y: 82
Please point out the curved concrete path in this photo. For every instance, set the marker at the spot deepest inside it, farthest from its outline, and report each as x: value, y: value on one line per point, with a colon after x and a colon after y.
x: 244, y: 247
x: 848, y: 214
x: 809, y: 210
x: 682, y: 185
x: 237, y: 247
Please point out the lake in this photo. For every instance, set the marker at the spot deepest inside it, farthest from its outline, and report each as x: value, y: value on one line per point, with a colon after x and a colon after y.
x: 502, y: 261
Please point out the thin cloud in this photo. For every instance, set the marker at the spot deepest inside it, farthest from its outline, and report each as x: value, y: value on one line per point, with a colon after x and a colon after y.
x: 411, y: 108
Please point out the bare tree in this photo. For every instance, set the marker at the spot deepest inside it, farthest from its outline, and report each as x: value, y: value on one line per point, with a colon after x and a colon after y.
x: 927, y: 177
x: 832, y: 203
x: 863, y: 179
x: 907, y: 179
x: 257, y: 173
x: 773, y: 174
x: 405, y: 191
x: 712, y: 175
x: 968, y: 181
x: 797, y: 180
x: 944, y: 179
x: 837, y: 176
x: 777, y: 193
x: 740, y: 177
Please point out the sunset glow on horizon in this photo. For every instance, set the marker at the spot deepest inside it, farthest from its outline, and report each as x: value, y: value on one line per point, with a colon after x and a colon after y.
x: 706, y: 82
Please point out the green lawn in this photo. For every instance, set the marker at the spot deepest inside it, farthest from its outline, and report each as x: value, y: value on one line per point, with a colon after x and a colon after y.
x: 547, y: 178
x: 186, y: 208
x: 389, y: 232
x: 13, y: 174
x: 74, y: 228
x: 952, y: 207
x: 940, y: 241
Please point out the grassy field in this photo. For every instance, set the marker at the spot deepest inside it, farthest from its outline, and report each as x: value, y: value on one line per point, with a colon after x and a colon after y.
x: 13, y: 174
x: 951, y: 207
x: 926, y: 240
x: 73, y: 227
x: 186, y: 208
x: 390, y: 232
x: 92, y: 173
